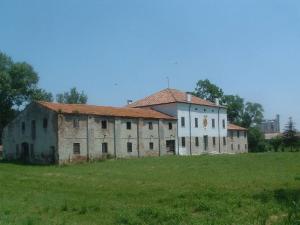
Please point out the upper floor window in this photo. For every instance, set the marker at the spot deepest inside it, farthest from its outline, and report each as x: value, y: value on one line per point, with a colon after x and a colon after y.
x: 128, y: 125
x: 45, y: 123
x: 76, y: 123
x: 23, y: 127
x: 213, y: 123
x: 170, y: 126
x: 224, y: 124
x: 238, y: 133
x: 196, y: 122
x: 182, y: 121
x: 150, y: 124
x: 104, y: 124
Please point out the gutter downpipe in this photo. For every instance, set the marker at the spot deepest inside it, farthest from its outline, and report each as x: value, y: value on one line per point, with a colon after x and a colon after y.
x: 219, y: 129
x: 159, y: 150
x: 115, y: 147
x: 138, y: 137
x: 87, y: 139
x: 190, y: 128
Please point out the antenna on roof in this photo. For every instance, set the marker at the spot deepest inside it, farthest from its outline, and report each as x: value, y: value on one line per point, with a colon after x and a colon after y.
x: 168, y: 81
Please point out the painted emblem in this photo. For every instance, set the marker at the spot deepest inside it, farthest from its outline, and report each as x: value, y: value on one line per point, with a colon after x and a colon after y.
x: 205, y: 122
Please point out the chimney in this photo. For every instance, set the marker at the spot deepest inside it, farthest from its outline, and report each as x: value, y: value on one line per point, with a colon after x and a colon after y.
x: 188, y: 97
x: 129, y: 102
x: 217, y: 100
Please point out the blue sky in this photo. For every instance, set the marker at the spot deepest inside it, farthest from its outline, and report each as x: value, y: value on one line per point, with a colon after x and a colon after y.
x: 116, y: 50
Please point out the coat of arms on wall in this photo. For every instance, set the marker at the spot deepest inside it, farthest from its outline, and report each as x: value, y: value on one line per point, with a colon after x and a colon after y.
x: 205, y: 122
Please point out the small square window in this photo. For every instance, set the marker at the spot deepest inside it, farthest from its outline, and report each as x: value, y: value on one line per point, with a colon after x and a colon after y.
x: 76, y: 148
x: 128, y: 125
x: 104, y: 124
x: 151, y: 145
x: 170, y: 126
x: 104, y: 147
x: 129, y: 147
x: 150, y: 124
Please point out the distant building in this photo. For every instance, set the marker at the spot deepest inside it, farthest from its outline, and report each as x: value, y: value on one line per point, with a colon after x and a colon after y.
x: 270, y: 126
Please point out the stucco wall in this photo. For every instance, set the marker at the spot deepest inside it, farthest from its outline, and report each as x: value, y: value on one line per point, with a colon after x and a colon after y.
x: 237, y: 144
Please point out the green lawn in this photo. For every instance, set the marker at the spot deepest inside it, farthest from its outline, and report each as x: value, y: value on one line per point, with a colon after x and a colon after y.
x: 221, y: 189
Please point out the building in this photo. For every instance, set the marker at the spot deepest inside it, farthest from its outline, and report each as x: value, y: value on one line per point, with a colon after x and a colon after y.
x: 168, y: 122
x: 202, y: 125
x: 270, y: 126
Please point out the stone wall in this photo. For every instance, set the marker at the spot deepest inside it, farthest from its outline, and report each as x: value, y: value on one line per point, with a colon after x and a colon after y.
x: 237, y: 143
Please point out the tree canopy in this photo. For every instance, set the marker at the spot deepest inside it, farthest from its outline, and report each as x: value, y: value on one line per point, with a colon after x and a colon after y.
x: 18, y: 87
x: 207, y: 90
x: 72, y: 97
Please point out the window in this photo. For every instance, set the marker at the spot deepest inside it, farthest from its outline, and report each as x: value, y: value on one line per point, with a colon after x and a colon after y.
x: 231, y: 134
x: 76, y: 148
x: 150, y: 124
x: 170, y: 126
x: 214, y: 141
x: 238, y: 133
x: 33, y: 130
x: 196, y: 122
x: 224, y: 140
x: 104, y: 124
x: 75, y: 123
x: 129, y: 147
x: 196, y: 141
x: 32, y: 151
x: 151, y: 145
x: 232, y: 147
x: 23, y: 127
x: 245, y: 146
x: 128, y: 125
x: 205, y: 139
x: 213, y: 123
x: 104, y: 147
x: 224, y: 124
x: 239, y: 147
x: 182, y: 121
x: 45, y: 123
x: 183, y: 141
x: 245, y: 134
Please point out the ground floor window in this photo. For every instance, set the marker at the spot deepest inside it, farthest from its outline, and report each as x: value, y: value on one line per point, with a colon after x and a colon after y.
x: 151, y: 145
x: 196, y: 141
x: 76, y: 148
x: 239, y: 147
x: 205, y: 140
x: 32, y: 151
x: 183, y: 141
x: 214, y: 141
x: 129, y: 147
x: 232, y: 147
x: 246, y: 146
x: 224, y: 140
x: 104, y: 147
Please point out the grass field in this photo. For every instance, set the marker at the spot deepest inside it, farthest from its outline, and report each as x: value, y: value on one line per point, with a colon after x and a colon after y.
x: 222, y: 189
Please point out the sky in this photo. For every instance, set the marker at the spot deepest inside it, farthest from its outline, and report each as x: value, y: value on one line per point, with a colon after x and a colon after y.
x: 115, y: 50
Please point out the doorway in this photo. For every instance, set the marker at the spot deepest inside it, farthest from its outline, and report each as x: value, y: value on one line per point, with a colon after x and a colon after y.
x: 170, y: 145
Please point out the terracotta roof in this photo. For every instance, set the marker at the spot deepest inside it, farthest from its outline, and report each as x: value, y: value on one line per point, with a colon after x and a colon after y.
x: 235, y: 127
x: 104, y: 111
x: 169, y: 96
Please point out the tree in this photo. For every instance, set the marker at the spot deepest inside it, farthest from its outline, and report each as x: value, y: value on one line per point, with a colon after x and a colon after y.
x: 256, y: 140
x: 207, y: 90
x: 276, y: 142
x: 235, y: 107
x: 290, y: 138
x: 72, y: 97
x: 18, y: 87
x: 252, y: 115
